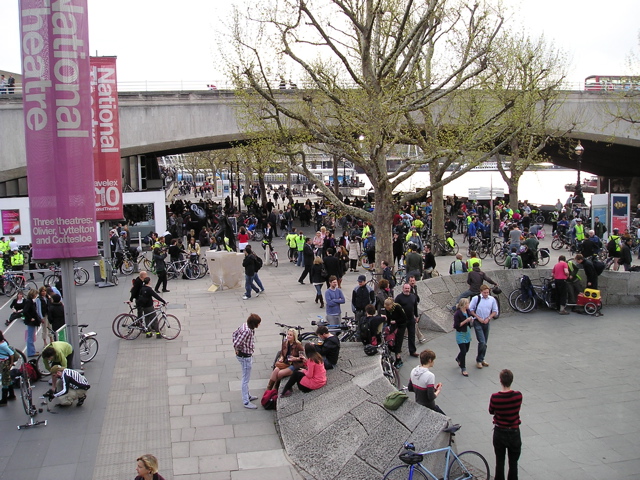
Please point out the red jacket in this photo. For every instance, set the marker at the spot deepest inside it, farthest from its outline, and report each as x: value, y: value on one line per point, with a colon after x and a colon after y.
x: 315, y: 376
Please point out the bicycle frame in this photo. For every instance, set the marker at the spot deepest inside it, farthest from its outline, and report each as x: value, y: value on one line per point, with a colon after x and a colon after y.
x: 449, y: 456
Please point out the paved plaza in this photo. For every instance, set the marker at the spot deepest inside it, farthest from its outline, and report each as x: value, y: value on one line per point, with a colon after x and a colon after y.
x: 180, y: 400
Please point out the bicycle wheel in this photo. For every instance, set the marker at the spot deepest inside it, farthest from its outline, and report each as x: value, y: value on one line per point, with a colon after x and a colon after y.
x: 171, y: 272
x: 114, y: 277
x: 512, y: 298
x: 116, y: 322
x: 403, y: 472
x: 275, y: 261
x: 524, y: 305
x: 543, y: 258
x: 192, y: 271
x: 88, y: 349
x: 26, y: 395
x: 42, y: 368
x: 497, y: 248
x: 364, y: 259
x: 500, y: 258
x: 309, y: 337
x: 127, y: 266
x: 10, y: 288
x: 169, y: 326
x: 483, y: 251
x: 29, y: 285
x: 557, y: 244
x: 146, y: 263
x: 127, y: 327
x: 203, y: 268
x: 51, y: 280
x: 390, y: 372
x: 469, y: 465
x: 540, y: 219
x: 80, y: 276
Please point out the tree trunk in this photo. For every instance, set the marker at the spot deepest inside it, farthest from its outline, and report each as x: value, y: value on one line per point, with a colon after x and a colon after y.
x: 336, y: 184
x: 513, y: 184
x: 263, y: 190
x: 383, y: 223
x: 437, y: 200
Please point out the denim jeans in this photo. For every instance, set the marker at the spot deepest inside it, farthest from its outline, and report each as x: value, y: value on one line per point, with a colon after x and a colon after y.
x: 300, y: 261
x: 482, y: 335
x: 248, y: 285
x: 318, y: 288
x: 31, y: 336
x: 246, y: 376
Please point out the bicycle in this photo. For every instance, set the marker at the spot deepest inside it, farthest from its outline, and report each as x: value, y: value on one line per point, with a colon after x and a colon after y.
x: 87, y: 348
x: 129, y: 326
x: 183, y: 267
x: 26, y: 393
x: 478, y: 245
x: 441, y: 247
x: 80, y: 276
x: 388, y: 361
x: 464, y: 466
x: 346, y: 331
x: 16, y: 281
x: 132, y: 311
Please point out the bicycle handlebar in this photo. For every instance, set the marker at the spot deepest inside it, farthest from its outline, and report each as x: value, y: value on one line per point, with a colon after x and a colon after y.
x: 282, y: 325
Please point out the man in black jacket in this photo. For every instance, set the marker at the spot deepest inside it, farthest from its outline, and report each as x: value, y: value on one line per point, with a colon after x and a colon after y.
x: 307, y: 254
x: 135, y: 289
x: 362, y: 296
x: 409, y: 303
x: 329, y: 348
x: 145, y: 302
x: 333, y: 265
x: 251, y: 264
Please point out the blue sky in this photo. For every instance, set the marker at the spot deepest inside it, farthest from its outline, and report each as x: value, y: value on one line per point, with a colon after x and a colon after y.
x: 160, y: 40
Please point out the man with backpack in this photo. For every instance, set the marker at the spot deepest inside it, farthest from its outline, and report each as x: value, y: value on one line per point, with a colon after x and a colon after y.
x: 613, y: 248
x: 513, y: 261
x: 458, y: 265
x: 361, y: 296
x: 251, y: 263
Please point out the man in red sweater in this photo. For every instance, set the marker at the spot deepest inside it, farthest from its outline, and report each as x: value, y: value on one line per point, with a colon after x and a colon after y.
x: 505, y: 408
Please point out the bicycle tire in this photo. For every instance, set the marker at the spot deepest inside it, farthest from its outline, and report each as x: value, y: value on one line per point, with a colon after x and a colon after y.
x: 402, y: 472
x: 275, y: 262
x: 171, y: 272
x: 192, y: 271
x: 41, y: 367
x: 500, y: 258
x: 483, y: 252
x: 512, y: 298
x: 114, y: 278
x: 80, y: 276
x: 29, y: 285
x: 50, y: 280
x: 469, y: 465
x: 114, y: 324
x: 540, y: 220
x: 10, y: 289
x: 203, y: 268
x: 146, y: 263
x: 88, y: 349
x: 309, y: 337
x: 390, y: 372
x: 127, y: 267
x: 257, y: 236
x: 127, y: 328
x: 557, y: 244
x: 497, y: 248
x: 524, y: 306
x: 26, y: 395
x: 364, y: 260
x: 542, y: 261
x: 169, y: 326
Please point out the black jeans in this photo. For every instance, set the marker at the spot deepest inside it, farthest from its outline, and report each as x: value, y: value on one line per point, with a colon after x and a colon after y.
x: 561, y: 292
x: 507, y: 440
x: 461, y: 358
x: 162, y: 280
x: 293, y: 379
x: 411, y: 334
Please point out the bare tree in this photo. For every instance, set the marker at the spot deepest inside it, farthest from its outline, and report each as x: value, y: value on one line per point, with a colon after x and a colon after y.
x: 388, y: 72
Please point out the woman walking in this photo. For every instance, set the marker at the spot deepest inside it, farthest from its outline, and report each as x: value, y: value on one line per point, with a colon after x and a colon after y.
x: 318, y: 274
x: 461, y: 321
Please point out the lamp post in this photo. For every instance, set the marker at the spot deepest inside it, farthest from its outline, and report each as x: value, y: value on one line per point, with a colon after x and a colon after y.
x: 579, y: 197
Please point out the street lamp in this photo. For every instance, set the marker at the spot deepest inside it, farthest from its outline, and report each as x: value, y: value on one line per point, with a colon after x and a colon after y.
x: 579, y: 197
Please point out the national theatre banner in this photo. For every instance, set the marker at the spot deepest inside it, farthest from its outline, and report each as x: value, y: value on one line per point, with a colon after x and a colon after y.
x: 106, y: 138
x: 57, y: 119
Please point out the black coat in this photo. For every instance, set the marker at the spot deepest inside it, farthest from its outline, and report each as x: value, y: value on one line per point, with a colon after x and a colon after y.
x: 56, y: 315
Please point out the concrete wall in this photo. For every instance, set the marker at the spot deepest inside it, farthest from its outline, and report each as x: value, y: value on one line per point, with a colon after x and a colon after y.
x: 437, y: 294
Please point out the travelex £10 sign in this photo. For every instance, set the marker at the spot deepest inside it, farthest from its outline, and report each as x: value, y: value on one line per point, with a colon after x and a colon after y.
x: 57, y: 118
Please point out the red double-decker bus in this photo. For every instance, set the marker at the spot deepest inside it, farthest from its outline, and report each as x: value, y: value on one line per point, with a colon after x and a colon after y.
x: 610, y: 83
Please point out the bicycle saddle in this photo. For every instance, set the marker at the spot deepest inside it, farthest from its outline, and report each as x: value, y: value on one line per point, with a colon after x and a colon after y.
x: 410, y: 458
x: 452, y: 429
x: 83, y: 326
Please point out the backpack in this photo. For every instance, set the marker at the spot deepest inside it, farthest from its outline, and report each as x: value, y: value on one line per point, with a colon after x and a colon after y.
x: 515, y: 264
x: 365, y: 330
x: 32, y: 370
x: 612, y: 247
x: 598, y: 266
x: 259, y: 262
x: 371, y: 245
x: 394, y: 400
x: 270, y: 399
x: 526, y: 287
x: 392, y: 280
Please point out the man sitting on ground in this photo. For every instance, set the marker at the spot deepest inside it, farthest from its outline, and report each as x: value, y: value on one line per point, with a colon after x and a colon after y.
x: 73, y: 386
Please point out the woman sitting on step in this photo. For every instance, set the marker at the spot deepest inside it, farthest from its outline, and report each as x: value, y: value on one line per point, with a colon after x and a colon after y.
x: 312, y: 377
x: 291, y: 359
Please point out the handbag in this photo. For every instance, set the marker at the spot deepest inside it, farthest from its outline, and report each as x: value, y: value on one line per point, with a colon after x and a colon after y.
x: 282, y: 365
x: 394, y: 400
x: 390, y: 336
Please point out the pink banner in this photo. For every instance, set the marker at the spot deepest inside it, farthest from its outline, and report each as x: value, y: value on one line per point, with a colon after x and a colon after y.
x: 10, y: 222
x: 106, y: 139
x: 57, y: 117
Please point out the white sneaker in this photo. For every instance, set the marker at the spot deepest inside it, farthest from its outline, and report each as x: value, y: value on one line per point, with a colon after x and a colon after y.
x: 252, y: 398
x: 258, y: 294
x: 250, y: 406
x: 244, y: 297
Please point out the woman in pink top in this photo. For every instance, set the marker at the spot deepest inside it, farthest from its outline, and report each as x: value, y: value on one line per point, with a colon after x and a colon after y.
x: 560, y: 274
x: 312, y: 377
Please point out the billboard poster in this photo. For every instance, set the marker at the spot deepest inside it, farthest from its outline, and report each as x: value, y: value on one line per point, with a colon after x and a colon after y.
x: 10, y: 222
x: 106, y: 139
x: 57, y: 118
x: 600, y: 209
x: 620, y: 211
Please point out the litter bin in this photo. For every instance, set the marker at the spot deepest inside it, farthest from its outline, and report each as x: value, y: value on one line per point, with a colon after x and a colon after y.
x: 96, y: 274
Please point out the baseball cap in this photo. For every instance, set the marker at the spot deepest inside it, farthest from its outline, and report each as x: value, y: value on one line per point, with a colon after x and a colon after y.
x: 362, y: 278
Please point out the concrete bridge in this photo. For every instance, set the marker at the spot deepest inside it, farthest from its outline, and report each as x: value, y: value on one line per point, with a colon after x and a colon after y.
x: 161, y: 123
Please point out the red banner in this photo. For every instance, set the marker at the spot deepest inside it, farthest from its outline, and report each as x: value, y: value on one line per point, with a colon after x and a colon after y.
x: 57, y: 119
x: 106, y: 138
